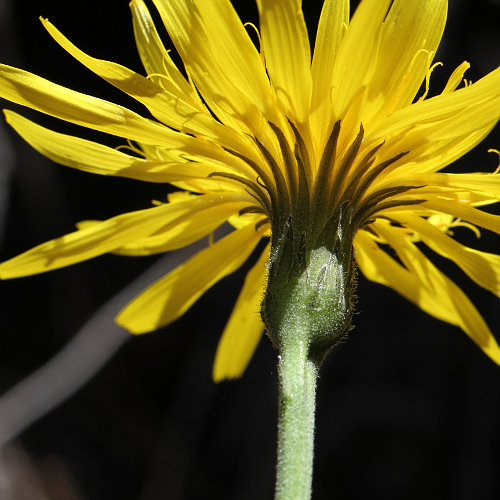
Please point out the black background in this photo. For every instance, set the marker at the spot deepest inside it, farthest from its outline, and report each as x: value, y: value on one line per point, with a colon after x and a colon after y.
x: 408, y: 407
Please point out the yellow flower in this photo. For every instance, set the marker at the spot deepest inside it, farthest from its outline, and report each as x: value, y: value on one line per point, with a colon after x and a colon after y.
x: 269, y: 138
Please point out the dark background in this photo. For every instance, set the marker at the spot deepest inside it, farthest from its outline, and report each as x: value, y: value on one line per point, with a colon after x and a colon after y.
x: 408, y: 407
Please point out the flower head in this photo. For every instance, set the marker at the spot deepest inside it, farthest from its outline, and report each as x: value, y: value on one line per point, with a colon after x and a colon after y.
x: 338, y: 150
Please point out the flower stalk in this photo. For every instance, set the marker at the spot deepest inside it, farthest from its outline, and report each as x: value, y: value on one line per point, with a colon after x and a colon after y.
x: 307, y: 309
x: 297, y: 404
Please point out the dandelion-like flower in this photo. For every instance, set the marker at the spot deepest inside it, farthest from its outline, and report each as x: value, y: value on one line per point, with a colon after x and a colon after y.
x: 334, y: 158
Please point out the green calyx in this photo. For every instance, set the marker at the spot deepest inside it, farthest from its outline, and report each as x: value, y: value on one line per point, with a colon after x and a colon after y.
x: 310, y: 287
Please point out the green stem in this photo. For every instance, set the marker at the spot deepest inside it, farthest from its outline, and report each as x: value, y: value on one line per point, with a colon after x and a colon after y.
x: 307, y: 309
x: 297, y: 379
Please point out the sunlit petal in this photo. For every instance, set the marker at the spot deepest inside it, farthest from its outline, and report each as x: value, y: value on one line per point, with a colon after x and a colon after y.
x: 244, y: 328
x: 104, y: 237
x: 288, y: 55
x: 171, y: 296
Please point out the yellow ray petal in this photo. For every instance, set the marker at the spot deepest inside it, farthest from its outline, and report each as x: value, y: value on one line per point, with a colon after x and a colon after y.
x: 37, y: 93
x: 234, y: 51
x: 464, y: 212
x: 221, y: 59
x: 482, y: 97
x: 155, y: 58
x: 487, y: 184
x: 332, y: 26
x: 433, y: 292
x: 456, y: 78
x: 104, y: 237
x: 95, y: 158
x: 469, y: 120
x: 288, y: 55
x: 482, y: 267
x: 433, y: 146
x: 411, y: 32
x: 379, y: 267
x: 356, y: 58
x: 173, y: 295
x: 149, y: 45
x: 244, y: 328
x: 183, y: 231
x: 98, y: 159
x: 164, y: 102
x: 425, y: 156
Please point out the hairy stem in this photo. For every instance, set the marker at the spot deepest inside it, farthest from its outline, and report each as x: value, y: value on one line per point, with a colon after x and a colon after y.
x: 297, y: 379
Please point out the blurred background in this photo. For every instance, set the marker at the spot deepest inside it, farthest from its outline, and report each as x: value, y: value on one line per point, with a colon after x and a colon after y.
x: 408, y: 407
